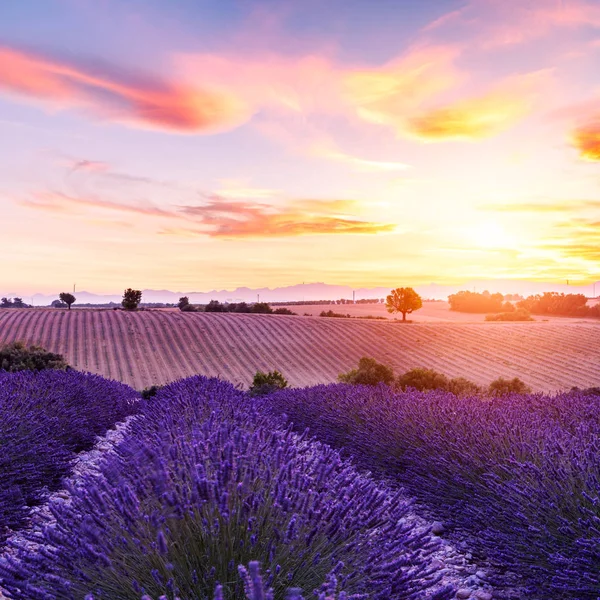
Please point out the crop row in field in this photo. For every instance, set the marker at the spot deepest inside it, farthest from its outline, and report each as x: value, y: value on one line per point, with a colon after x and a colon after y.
x: 156, y: 347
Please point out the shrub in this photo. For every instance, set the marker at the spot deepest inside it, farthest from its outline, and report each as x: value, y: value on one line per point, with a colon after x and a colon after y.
x: 267, y: 383
x: 283, y: 311
x: 520, y: 314
x: 336, y: 315
x: 261, y: 308
x: 516, y: 477
x: 48, y: 417
x: 205, y: 482
x: 422, y: 379
x: 150, y: 392
x: 459, y: 386
x: 502, y: 386
x: 369, y: 372
x: 19, y: 357
x: 131, y: 299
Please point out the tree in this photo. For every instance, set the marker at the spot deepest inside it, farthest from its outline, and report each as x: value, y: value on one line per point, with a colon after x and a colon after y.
x: 403, y: 300
x: 267, y: 383
x: 131, y: 299
x: 215, y: 306
x: 58, y: 304
x: 67, y: 298
x: 6, y: 303
x: 183, y: 302
x: 369, y: 372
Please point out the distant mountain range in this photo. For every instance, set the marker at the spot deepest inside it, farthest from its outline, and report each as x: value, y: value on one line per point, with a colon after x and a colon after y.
x: 320, y: 291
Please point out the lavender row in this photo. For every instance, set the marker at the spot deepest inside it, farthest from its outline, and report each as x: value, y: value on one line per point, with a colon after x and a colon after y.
x: 206, y: 482
x: 46, y: 419
x: 517, y: 476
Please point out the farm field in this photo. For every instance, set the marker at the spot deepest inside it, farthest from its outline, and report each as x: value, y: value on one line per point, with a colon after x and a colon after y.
x: 156, y: 347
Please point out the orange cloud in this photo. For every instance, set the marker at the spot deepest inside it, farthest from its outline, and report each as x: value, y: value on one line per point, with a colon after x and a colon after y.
x: 301, y: 217
x: 587, y: 140
x: 117, y: 96
x: 219, y: 217
x: 483, y: 116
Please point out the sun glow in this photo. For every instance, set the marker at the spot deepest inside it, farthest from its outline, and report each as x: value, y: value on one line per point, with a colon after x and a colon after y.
x: 490, y: 234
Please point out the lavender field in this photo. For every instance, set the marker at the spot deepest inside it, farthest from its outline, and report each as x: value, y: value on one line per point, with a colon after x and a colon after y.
x: 213, y: 494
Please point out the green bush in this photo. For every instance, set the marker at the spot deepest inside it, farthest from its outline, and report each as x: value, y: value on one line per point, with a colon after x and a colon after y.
x: 283, y: 311
x: 501, y: 387
x: 460, y: 386
x: 422, y: 379
x: 369, y: 372
x: 331, y: 313
x: 18, y: 357
x: 267, y: 383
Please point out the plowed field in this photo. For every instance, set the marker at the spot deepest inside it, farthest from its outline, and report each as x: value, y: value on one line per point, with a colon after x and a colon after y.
x: 156, y: 346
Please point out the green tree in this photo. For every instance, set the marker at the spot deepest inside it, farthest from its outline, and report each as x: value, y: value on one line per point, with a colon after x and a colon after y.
x: 131, y: 299
x: 369, y: 372
x: 267, y: 383
x: 67, y: 298
x: 403, y: 300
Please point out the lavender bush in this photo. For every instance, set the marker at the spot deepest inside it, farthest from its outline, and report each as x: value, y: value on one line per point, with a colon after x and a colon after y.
x: 46, y: 418
x: 205, y: 482
x: 518, y: 476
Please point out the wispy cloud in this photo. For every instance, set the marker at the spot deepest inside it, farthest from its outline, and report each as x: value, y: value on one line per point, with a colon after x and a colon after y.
x: 225, y: 218
x: 562, y: 206
x: 299, y: 217
x: 482, y: 116
x: 114, y: 95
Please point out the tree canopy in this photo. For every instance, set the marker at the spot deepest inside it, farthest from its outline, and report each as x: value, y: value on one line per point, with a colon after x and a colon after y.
x: 131, y: 299
x: 67, y: 298
x: 403, y: 300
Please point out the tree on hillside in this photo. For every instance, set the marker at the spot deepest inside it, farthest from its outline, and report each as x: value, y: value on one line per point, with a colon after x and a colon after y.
x: 67, y: 298
x: 403, y: 300
x: 183, y: 302
x: 131, y: 299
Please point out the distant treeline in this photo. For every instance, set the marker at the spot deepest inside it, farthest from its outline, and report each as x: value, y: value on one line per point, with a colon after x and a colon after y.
x: 261, y: 308
x: 320, y: 302
x: 13, y: 303
x: 548, y: 303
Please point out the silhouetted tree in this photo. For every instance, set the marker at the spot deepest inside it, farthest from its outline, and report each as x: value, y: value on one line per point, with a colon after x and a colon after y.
x: 183, y: 302
x: 403, y: 300
x: 215, y: 306
x: 58, y: 304
x: 131, y: 299
x: 67, y: 298
x: 6, y: 303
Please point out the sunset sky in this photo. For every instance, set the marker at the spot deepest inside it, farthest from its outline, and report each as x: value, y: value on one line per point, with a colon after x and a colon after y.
x: 202, y: 144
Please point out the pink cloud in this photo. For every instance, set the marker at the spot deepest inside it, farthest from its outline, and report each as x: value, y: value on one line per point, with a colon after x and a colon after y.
x: 496, y: 23
x: 118, y: 97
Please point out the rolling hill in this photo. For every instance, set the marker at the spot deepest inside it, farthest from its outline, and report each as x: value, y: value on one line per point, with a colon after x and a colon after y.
x: 158, y: 346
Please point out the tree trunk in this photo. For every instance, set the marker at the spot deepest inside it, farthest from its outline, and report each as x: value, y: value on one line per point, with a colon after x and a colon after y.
x: 404, y: 315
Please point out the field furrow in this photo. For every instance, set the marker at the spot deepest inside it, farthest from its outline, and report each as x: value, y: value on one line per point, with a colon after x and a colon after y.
x: 155, y: 347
